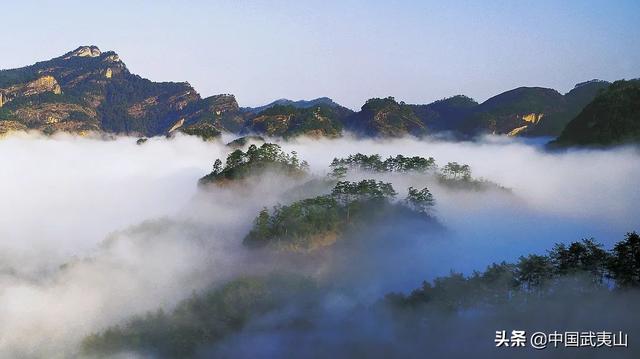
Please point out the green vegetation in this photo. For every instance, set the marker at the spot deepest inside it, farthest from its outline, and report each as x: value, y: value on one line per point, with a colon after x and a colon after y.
x: 205, y: 131
x: 453, y: 174
x: 202, y: 319
x: 290, y: 121
x: 385, y: 117
x: 5, y: 114
x: 612, y: 118
x: 123, y: 93
x: 245, y: 140
x: 454, y: 171
x: 373, y: 163
x: 575, y: 101
x: 294, y: 226
x: 240, y: 165
x: 421, y: 201
x: 17, y: 76
x: 581, y: 268
x: 446, y: 114
x: 319, y: 221
x: 458, y: 176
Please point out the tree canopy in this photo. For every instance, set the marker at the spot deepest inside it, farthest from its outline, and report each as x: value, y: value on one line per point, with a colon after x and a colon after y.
x: 240, y: 164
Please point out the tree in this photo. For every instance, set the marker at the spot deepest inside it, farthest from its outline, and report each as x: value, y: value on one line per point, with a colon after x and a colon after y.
x: 420, y: 200
x: 268, y: 156
x: 263, y: 221
x: 586, y: 256
x: 346, y: 191
x: 533, y: 271
x: 235, y: 159
x: 339, y: 172
x: 624, y: 267
x: 217, y: 166
x: 456, y: 171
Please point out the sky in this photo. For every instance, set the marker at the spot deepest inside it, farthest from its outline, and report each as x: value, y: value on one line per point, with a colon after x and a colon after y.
x: 349, y: 50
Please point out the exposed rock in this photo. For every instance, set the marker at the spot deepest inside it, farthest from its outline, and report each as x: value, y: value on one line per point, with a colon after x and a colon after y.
x: 36, y: 116
x: 220, y: 111
x: 112, y: 58
x: 41, y: 85
x: 533, y: 118
x: 177, y: 125
x: 11, y: 126
x: 139, y: 109
x: 516, y: 131
x: 85, y: 51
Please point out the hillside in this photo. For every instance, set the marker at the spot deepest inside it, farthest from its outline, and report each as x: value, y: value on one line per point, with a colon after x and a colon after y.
x: 320, y: 120
x: 385, y: 117
x: 613, y: 117
x: 446, y: 114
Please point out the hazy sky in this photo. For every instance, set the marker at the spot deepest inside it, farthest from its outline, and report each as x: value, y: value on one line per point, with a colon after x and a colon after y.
x: 350, y: 50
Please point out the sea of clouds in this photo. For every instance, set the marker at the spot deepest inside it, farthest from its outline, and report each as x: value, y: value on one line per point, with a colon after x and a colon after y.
x: 95, y: 230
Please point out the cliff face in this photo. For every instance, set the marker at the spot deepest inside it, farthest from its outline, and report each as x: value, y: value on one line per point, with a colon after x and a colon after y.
x: 38, y: 86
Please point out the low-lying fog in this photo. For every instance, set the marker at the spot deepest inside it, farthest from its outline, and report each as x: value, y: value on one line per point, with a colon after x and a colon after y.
x: 93, y: 231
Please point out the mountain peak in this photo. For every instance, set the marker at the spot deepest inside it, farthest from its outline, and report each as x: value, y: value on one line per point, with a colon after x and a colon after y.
x: 594, y: 81
x: 84, y: 51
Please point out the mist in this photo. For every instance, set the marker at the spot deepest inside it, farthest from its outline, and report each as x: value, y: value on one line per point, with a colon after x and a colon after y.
x: 95, y: 230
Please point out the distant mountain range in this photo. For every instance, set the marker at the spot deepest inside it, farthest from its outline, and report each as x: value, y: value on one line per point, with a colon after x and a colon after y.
x: 89, y: 90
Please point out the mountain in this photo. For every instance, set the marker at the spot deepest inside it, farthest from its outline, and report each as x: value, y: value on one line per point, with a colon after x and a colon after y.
x: 530, y: 111
x: 90, y: 90
x: 512, y: 112
x: 613, y: 117
x: 297, y: 104
x: 446, y: 114
x: 319, y: 120
x: 385, y: 117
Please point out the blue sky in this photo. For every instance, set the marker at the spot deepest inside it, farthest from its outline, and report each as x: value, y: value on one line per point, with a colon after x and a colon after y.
x: 350, y: 50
